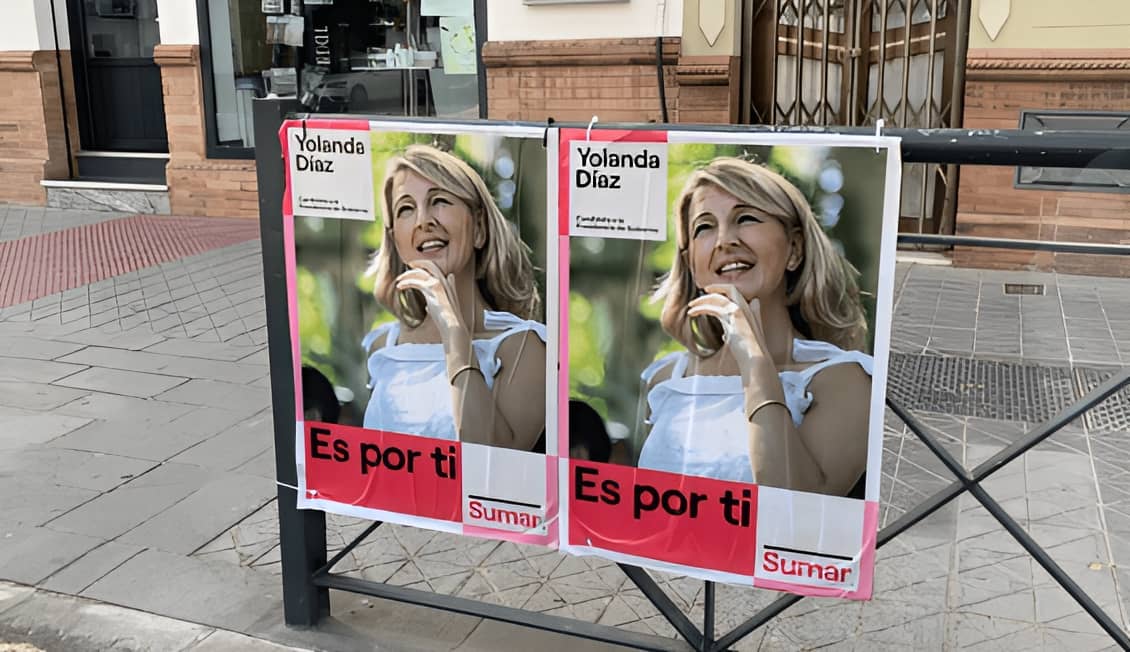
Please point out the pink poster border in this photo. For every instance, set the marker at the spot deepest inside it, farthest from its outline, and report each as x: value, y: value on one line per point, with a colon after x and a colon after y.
x: 550, y: 539
x: 863, y: 590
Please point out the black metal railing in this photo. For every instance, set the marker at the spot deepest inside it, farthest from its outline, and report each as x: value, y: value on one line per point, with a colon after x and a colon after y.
x: 306, y: 571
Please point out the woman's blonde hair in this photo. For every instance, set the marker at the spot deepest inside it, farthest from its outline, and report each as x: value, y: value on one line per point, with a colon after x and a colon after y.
x: 503, y: 270
x: 822, y: 293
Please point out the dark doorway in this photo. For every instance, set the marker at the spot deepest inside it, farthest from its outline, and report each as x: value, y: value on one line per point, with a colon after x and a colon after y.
x: 121, y: 105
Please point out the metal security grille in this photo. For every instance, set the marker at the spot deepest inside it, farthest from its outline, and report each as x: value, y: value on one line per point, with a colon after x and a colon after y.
x: 853, y: 62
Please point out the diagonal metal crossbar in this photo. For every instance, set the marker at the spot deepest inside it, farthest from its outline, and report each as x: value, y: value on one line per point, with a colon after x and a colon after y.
x: 703, y: 639
x: 966, y: 482
x: 307, y: 575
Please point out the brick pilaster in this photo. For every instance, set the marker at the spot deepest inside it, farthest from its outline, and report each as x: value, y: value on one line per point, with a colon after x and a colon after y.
x: 198, y: 185
x: 32, y: 143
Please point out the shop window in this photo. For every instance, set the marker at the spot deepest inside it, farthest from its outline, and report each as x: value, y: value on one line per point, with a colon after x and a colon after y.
x: 1092, y: 179
x: 384, y: 57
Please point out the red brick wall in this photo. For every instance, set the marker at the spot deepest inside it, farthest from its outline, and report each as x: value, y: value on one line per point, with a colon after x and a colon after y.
x: 198, y: 185
x: 32, y: 143
x: 989, y: 204
x: 614, y: 79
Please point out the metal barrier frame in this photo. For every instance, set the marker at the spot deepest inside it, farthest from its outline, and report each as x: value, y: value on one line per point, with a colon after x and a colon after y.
x: 306, y: 571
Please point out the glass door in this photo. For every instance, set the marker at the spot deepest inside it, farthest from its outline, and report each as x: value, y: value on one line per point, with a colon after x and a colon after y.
x: 118, y: 85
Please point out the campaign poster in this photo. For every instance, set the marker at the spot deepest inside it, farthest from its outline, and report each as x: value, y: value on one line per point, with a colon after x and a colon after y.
x: 416, y: 258
x: 725, y: 304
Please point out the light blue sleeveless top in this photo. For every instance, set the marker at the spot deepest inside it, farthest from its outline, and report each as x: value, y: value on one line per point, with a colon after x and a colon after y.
x: 411, y: 393
x: 698, y: 423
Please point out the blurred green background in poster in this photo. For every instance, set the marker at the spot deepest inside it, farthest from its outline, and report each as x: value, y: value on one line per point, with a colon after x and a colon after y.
x: 614, y: 330
x: 336, y: 307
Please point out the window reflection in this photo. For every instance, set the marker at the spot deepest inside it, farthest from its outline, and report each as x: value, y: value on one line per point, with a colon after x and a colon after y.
x: 384, y: 57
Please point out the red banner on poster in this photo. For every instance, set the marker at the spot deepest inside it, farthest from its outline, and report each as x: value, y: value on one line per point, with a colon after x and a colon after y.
x: 383, y: 470
x: 677, y: 518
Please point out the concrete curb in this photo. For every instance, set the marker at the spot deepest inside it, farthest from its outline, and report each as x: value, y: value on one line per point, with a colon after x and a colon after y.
x: 52, y: 621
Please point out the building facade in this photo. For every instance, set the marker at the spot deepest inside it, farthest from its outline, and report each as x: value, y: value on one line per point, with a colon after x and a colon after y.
x: 1047, y: 65
x: 152, y: 113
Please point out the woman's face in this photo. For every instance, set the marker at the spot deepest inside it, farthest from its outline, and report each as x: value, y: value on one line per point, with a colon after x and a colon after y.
x: 430, y: 223
x: 737, y: 244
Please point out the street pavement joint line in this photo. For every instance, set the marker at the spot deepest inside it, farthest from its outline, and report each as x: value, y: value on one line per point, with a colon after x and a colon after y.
x: 198, y: 642
x: 99, y: 495
x: 172, y: 505
x: 19, y: 602
x: 134, y: 396
x: 73, y: 561
x: 155, y: 463
x: 115, y: 568
x: 228, y: 528
x: 84, y: 368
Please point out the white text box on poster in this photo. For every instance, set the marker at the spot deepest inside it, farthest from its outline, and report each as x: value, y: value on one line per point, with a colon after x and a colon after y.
x: 618, y: 190
x: 331, y: 173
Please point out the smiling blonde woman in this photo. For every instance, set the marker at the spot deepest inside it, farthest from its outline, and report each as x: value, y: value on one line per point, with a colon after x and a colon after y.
x: 460, y: 283
x: 774, y: 387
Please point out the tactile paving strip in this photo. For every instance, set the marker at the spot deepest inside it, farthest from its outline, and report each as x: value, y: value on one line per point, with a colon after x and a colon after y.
x: 980, y: 388
x: 1113, y: 414
x: 42, y: 265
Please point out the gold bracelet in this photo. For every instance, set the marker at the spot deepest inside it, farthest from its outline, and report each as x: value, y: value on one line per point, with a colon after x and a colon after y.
x: 762, y: 404
x: 466, y: 367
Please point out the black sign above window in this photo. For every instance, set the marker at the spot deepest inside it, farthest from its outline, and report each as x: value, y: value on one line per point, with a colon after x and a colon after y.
x: 1092, y: 179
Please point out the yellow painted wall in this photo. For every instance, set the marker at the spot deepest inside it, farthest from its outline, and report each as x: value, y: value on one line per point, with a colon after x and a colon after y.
x: 694, y: 42
x: 1054, y: 24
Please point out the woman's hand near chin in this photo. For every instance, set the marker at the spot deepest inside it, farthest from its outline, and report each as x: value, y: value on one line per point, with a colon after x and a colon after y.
x: 741, y: 325
x: 443, y: 307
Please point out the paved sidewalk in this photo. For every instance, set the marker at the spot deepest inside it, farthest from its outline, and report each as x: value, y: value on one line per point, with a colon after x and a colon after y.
x: 42, y: 621
x: 136, y: 469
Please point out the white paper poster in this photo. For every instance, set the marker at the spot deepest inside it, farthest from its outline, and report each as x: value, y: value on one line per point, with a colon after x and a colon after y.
x: 672, y: 450
x: 331, y: 173
x: 389, y: 426
x: 457, y: 38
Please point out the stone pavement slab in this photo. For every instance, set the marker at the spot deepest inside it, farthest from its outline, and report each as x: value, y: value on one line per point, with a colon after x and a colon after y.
x: 116, y: 381
x: 205, y: 514
x: 107, y: 407
x: 23, y: 221
x: 241, y: 399
x: 31, y: 555
x: 97, y: 563
x: 27, y: 502
x: 169, y: 365
x: 51, y: 621
x: 221, y: 595
x: 36, y: 371
x: 117, y: 512
x: 134, y: 339
x: 31, y: 428
x: 233, y: 447
x: 141, y: 441
x: 37, y: 396
x: 204, y: 349
x: 63, y: 467
x: 22, y: 346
